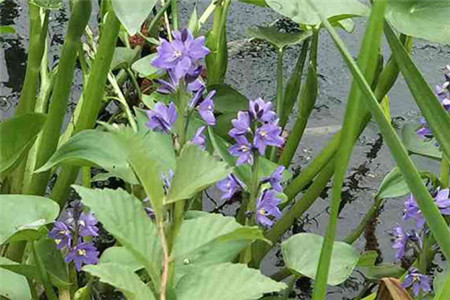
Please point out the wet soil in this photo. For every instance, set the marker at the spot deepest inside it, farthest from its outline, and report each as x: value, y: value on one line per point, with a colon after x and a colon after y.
x: 252, y: 71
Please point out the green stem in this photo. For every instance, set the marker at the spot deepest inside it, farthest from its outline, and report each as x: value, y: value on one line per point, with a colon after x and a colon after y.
x: 254, y: 189
x: 293, y: 85
x: 279, y: 100
x: 368, y: 62
x: 122, y: 100
x: 174, y: 13
x: 445, y: 170
x: 155, y: 20
x: 36, y: 46
x: 92, y: 99
x: 81, y: 11
x: 43, y: 274
x: 135, y: 83
x: 207, y: 13
x: 369, y: 216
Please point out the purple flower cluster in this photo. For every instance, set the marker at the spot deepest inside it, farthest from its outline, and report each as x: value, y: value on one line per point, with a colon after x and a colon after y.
x: 180, y: 59
x: 260, y: 125
x: 413, y: 212
x: 403, y: 241
x: 443, y: 94
x: 68, y: 232
x: 416, y: 282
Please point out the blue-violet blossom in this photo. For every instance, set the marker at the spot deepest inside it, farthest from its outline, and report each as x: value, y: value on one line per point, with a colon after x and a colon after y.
x: 162, y: 117
x: 416, y: 282
x: 229, y: 186
x: 82, y: 254
x: 267, y: 205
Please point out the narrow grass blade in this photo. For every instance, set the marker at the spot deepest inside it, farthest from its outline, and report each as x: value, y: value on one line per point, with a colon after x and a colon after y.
x: 431, y: 213
x: 368, y: 60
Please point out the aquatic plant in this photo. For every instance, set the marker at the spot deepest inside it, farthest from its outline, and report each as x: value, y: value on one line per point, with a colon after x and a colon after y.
x: 180, y: 132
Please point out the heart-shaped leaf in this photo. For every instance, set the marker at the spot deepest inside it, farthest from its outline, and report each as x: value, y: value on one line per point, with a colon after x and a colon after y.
x: 301, y: 254
x: 277, y: 38
x: 12, y: 285
x: 144, y: 67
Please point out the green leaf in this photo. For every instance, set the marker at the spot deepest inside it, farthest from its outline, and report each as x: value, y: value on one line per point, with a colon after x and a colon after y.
x: 193, y: 23
x: 144, y: 67
x: 225, y: 282
x: 277, y: 38
x: 123, y: 278
x: 441, y: 284
x: 7, y: 29
x: 13, y: 286
x: 123, y: 57
x: 300, y: 11
x: 421, y: 19
x: 228, y: 99
x: 195, y: 171
x: 301, y: 254
x: 417, y: 145
x: 431, y: 108
x: 367, y: 259
x: 94, y: 147
x: 29, y: 271
x: 24, y: 212
x: 120, y: 256
x: 393, y: 185
x: 261, y: 3
x: 53, y: 261
x: 124, y: 217
x: 18, y: 134
x: 132, y: 15
x: 382, y: 270
x: 48, y: 4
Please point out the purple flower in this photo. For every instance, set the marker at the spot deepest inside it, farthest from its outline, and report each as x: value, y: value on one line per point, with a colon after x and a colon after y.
x: 82, y: 254
x: 87, y: 225
x: 442, y: 201
x: 266, y: 205
x: 275, y: 179
x: 261, y: 110
x: 196, y: 98
x: 229, y: 186
x: 181, y: 55
x: 242, y: 149
x: 199, y: 138
x: 412, y: 211
x: 206, y: 109
x: 61, y: 234
x: 170, y: 86
x: 424, y: 129
x: 402, y: 240
x: 162, y: 117
x: 241, y: 125
x: 417, y: 282
x: 267, y: 135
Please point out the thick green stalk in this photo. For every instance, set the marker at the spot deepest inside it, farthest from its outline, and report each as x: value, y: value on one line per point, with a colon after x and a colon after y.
x: 81, y: 11
x: 27, y: 100
x: 306, y: 101
x: 92, y: 98
x: 36, y: 46
x: 293, y: 85
x: 174, y: 13
x: 433, y: 217
x: 368, y: 217
x: 279, y: 100
x: 445, y: 170
x: 368, y: 62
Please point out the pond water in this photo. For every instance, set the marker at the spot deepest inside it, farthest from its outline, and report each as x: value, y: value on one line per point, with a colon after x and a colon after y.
x: 252, y: 71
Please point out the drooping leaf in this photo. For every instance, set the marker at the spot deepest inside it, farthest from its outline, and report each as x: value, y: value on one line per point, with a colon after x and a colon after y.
x: 301, y: 254
x: 123, y: 57
x: 227, y: 99
x: 24, y: 212
x: 421, y: 19
x: 13, y: 286
x: 48, y: 4
x: 17, y: 135
x: 121, y: 256
x: 300, y: 11
x: 123, y: 278
x: 133, y: 15
x: 277, y: 38
x: 376, y: 272
x: 195, y: 171
x: 225, y: 282
x: 144, y: 67
x: 391, y: 288
x: 418, y: 145
x: 124, y: 217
